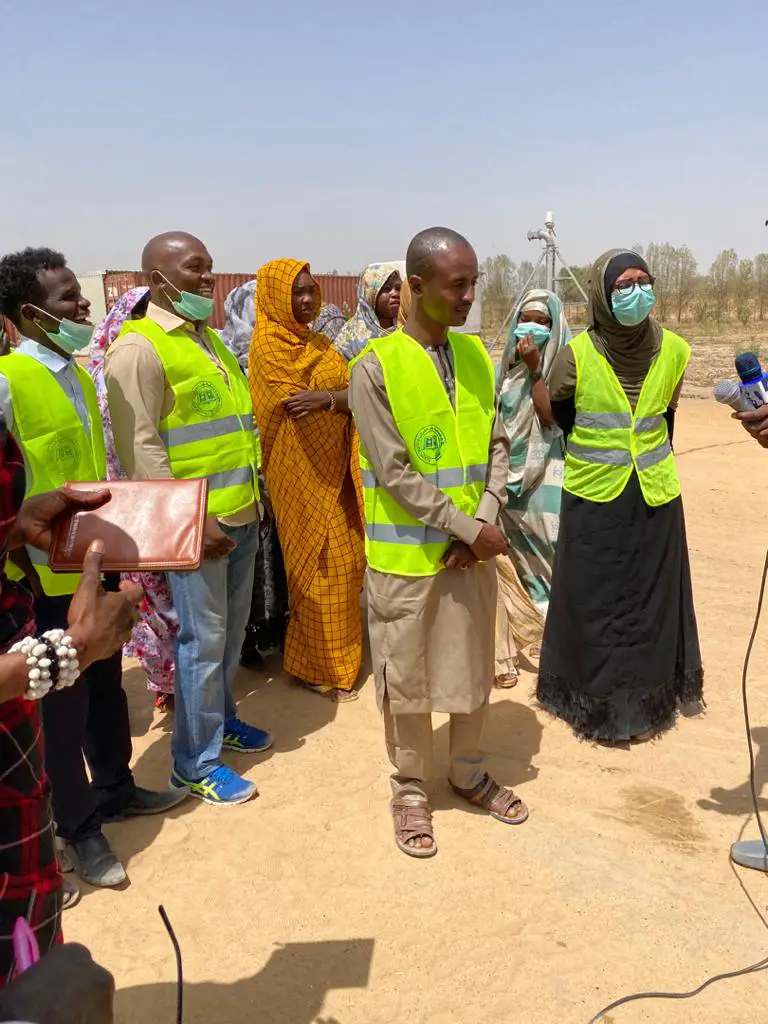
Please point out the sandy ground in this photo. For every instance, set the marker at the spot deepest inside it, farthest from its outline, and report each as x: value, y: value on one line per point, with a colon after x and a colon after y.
x: 298, y: 908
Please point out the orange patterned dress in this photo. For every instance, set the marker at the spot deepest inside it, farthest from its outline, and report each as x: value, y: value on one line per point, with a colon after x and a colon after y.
x: 312, y: 473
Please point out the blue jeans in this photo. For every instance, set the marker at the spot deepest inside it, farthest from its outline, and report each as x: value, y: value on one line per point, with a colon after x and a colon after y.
x: 212, y: 605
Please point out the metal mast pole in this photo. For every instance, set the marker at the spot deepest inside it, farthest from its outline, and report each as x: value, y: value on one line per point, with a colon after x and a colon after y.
x: 547, y: 236
x: 550, y: 256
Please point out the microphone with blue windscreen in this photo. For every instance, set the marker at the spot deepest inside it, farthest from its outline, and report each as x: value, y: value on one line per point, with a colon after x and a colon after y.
x: 753, y: 383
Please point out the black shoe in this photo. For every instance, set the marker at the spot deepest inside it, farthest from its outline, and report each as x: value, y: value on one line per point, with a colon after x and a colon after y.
x: 251, y: 659
x: 94, y: 862
x: 145, y: 801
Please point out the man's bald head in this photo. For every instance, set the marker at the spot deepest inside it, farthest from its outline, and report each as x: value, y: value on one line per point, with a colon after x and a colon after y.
x: 168, y: 246
x: 426, y: 247
x: 442, y: 273
x: 174, y: 262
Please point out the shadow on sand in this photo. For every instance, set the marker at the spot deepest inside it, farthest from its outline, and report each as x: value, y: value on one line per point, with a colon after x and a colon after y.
x: 512, y: 740
x: 266, y: 700
x: 291, y: 987
x: 738, y: 801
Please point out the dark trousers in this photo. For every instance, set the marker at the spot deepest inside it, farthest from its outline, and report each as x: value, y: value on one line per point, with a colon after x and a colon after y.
x: 88, y: 719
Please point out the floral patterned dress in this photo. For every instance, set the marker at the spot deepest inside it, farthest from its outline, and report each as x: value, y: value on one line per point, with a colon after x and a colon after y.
x: 153, y: 636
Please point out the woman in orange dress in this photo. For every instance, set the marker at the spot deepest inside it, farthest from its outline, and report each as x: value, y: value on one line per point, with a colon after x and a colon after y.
x: 310, y: 463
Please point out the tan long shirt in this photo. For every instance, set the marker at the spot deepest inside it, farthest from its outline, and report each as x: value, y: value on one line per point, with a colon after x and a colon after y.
x: 432, y: 637
x: 139, y: 397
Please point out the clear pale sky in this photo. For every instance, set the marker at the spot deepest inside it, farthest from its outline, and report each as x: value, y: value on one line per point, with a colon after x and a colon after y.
x: 335, y: 130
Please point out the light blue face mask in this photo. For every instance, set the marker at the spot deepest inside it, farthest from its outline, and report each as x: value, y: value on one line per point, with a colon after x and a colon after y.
x: 541, y: 334
x: 71, y: 337
x: 633, y: 305
x: 190, y: 306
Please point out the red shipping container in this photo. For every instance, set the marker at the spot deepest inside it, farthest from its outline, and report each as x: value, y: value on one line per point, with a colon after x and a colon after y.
x: 339, y: 289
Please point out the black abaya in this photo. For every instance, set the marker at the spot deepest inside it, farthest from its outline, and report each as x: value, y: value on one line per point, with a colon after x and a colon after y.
x: 620, y: 652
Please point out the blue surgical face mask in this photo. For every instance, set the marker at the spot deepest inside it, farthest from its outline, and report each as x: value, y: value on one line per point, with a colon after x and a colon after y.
x: 541, y: 334
x: 71, y: 337
x: 190, y: 306
x: 633, y: 305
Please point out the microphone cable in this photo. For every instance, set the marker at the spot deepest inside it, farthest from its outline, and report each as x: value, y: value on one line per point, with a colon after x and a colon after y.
x: 761, y: 965
x: 179, y: 969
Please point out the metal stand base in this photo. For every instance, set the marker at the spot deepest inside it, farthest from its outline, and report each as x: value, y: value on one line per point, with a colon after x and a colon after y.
x: 751, y: 853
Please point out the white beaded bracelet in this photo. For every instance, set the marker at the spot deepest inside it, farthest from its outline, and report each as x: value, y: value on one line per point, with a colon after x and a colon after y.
x: 69, y: 663
x: 45, y: 674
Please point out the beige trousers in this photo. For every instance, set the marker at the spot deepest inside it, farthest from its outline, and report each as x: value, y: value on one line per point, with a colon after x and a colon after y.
x: 409, y: 745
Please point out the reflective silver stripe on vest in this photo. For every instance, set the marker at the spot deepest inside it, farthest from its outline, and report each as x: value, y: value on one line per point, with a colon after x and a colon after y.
x: 646, y: 423
x: 603, y: 420
x: 477, y: 474
x: 206, y: 430
x: 441, y: 477
x: 36, y: 556
x: 416, y: 535
x: 602, y: 456
x: 446, y: 478
x: 655, y: 455
x: 229, y: 478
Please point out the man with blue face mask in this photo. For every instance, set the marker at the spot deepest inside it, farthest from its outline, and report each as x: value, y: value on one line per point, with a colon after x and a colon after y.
x: 181, y: 407
x: 49, y: 404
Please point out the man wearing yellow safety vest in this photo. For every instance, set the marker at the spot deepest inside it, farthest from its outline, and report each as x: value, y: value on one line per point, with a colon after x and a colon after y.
x: 49, y: 403
x: 181, y: 407
x: 620, y: 654
x: 434, y: 458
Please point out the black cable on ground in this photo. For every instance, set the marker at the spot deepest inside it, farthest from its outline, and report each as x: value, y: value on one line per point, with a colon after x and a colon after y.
x: 179, y: 971
x: 762, y: 964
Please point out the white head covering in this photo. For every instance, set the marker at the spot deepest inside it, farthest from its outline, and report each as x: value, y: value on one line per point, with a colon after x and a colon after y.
x: 534, y: 306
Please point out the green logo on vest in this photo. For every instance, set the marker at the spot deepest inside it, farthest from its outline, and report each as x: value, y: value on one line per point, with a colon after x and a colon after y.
x: 64, y: 452
x: 205, y: 398
x: 428, y: 444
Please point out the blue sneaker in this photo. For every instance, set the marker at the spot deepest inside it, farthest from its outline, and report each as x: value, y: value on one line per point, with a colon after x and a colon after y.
x: 222, y: 786
x: 246, y: 739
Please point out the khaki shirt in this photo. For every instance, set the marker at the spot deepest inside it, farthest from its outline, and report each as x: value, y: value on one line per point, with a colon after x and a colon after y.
x: 140, y: 396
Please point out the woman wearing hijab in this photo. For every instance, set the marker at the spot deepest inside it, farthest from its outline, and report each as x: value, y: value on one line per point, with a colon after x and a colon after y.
x: 309, y: 448
x: 330, y: 321
x: 152, y: 640
x: 240, y: 311
x: 621, y: 650
x: 405, y: 303
x: 378, y: 303
x: 537, y: 333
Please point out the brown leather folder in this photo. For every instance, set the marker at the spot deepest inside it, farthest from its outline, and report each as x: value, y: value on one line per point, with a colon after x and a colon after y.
x: 146, y: 526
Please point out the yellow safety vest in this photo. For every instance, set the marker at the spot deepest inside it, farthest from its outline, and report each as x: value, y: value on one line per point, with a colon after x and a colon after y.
x: 209, y: 432
x: 448, y: 447
x: 609, y: 440
x: 56, y: 446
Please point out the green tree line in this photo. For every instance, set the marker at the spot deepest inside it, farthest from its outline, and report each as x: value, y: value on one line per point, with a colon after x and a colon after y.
x: 732, y: 289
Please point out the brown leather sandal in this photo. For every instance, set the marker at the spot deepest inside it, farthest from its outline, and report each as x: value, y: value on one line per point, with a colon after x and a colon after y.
x: 506, y: 680
x: 499, y: 802
x: 413, y: 820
